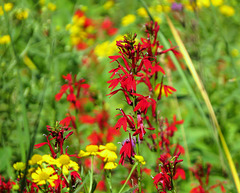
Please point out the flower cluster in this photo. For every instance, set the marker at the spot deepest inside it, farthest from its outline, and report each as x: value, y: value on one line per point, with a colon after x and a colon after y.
x: 137, y: 68
x: 107, y: 152
x: 51, y: 174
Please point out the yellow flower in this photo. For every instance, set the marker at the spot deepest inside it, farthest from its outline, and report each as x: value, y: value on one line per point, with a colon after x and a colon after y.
x: 128, y: 19
x: 201, y: 3
x: 5, y: 39
x: 90, y: 150
x: 108, y: 146
x: 108, y: 4
x: 22, y: 14
x: 66, y: 163
x: 142, y: 12
x: 19, y: 166
x: 7, y: 7
x: 110, y: 165
x: 227, y: 10
x: 51, y: 6
x: 49, y: 159
x: 30, y: 171
x: 234, y: 52
x: 42, y: 176
x: 36, y: 159
x: 217, y: 2
x: 140, y: 159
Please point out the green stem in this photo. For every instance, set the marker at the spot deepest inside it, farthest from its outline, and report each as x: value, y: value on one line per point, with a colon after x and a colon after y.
x: 109, y: 177
x: 133, y: 168
x: 91, y: 174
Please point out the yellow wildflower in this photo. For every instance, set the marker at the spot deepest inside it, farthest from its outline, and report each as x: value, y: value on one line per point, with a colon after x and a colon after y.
x: 140, y: 159
x: 201, y: 3
x: 108, y: 4
x: 108, y: 152
x: 90, y: 150
x: 128, y: 19
x: 22, y: 14
x: 5, y: 39
x: 110, y: 165
x: 217, y: 2
x: 227, y: 10
x: 142, y: 12
x: 42, y: 176
x: 66, y: 163
x: 7, y: 7
x: 51, y: 6
x: 36, y: 159
x: 234, y: 52
x: 19, y: 166
x: 30, y: 171
x: 49, y: 159
x: 108, y: 146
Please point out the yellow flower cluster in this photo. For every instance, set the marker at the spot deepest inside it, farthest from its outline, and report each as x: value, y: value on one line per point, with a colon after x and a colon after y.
x: 5, y: 39
x: 7, y: 7
x: 140, y: 159
x: 225, y: 10
x: 44, y: 172
x: 107, y: 152
x: 22, y: 14
x: 79, y: 29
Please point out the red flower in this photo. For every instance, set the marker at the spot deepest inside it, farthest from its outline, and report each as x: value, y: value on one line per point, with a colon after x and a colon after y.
x: 127, y: 151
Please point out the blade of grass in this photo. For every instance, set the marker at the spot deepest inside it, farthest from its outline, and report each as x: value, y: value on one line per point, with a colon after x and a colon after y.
x: 207, y: 101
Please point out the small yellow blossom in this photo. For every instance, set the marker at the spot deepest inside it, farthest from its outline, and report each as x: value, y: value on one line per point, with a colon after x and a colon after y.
x: 19, y: 166
x: 66, y: 163
x: 49, y: 159
x: 30, y: 171
x: 109, y: 4
x: 234, y: 52
x: 227, y: 10
x: 36, y: 159
x: 108, y: 146
x: 22, y: 14
x: 217, y: 2
x: 51, y: 6
x: 128, y: 19
x: 90, y: 150
x: 110, y: 165
x: 201, y: 3
x: 7, y: 7
x: 42, y: 176
x: 5, y: 39
x: 142, y: 12
x: 140, y: 159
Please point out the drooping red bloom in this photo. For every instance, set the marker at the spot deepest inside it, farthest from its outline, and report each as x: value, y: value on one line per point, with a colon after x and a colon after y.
x: 127, y: 151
